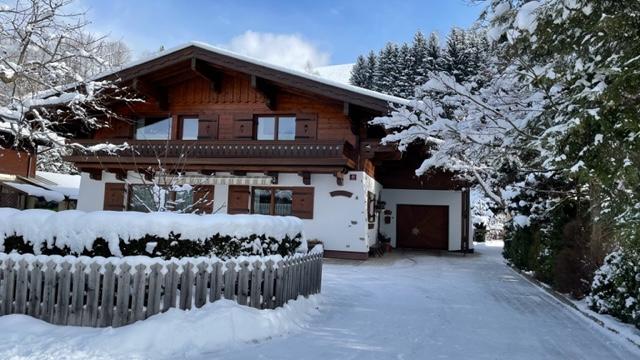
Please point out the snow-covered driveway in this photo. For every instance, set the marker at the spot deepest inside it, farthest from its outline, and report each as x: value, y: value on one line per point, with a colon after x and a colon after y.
x: 416, y: 306
x: 401, y: 306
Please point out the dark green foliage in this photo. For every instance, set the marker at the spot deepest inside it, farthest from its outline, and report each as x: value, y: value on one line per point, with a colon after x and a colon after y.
x: 171, y: 247
x: 616, y: 287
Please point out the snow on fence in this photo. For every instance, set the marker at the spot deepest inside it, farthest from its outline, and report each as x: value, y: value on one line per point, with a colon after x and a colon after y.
x: 101, y: 292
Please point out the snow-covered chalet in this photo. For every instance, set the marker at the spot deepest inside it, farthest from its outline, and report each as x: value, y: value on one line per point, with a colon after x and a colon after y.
x: 251, y: 137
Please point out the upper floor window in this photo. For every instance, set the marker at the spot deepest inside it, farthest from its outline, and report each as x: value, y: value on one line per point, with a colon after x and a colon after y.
x: 276, y: 128
x: 153, y: 128
x: 189, y: 128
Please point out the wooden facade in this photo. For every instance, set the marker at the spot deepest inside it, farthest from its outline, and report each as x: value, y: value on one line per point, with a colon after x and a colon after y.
x: 17, y: 162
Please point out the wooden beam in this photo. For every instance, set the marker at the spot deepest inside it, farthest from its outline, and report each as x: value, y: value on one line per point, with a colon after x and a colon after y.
x: 339, y: 178
x: 238, y: 173
x: 119, y: 173
x: 306, y: 177
x: 345, y: 109
x: 159, y: 94
x: 207, y: 172
x: 273, y: 175
x: 95, y: 174
x: 207, y: 72
x: 266, y: 89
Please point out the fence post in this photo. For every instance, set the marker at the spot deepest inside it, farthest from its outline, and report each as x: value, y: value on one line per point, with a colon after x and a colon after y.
x: 106, y: 307
x: 243, y: 283
x: 256, y: 285
x: 137, y: 301
x: 49, y: 291
x: 7, y: 292
x: 77, y: 294
x: 268, y: 287
x: 279, y: 290
x: 171, y: 286
x: 62, y: 306
x: 186, y: 286
x: 216, y: 282
x: 230, y: 280
x: 90, y: 317
x: 155, y: 289
x: 35, y: 290
x: 122, y: 295
x: 201, y: 284
x: 21, y: 287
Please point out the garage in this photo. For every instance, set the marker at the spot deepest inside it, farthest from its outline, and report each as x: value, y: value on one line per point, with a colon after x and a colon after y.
x: 423, y: 227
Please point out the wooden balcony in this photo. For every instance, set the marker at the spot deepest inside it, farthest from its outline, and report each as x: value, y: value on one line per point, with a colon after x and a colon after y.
x: 217, y: 154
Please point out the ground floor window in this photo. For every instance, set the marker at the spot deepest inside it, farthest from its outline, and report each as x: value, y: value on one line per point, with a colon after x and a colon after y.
x: 272, y: 201
x: 147, y: 198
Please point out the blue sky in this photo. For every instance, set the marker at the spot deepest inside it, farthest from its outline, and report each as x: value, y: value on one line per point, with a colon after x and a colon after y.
x: 326, y: 31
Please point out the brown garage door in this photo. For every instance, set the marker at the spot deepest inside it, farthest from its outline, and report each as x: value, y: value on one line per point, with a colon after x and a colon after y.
x: 423, y: 227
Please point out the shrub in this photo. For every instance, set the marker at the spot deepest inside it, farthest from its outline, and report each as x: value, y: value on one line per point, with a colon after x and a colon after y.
x: 109, y: 233
x: 615, y: 289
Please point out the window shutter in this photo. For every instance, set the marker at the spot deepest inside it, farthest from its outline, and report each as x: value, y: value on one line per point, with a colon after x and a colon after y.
x: 306, y: 126
x: 203, y: 199
x: 114, y: 196
x: 243, y: 127
x: 238, y: 199
x: 208, y: 128
x: 302, y: 205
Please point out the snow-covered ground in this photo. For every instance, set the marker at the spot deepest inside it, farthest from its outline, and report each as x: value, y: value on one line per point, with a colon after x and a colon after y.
x: 402, y: 306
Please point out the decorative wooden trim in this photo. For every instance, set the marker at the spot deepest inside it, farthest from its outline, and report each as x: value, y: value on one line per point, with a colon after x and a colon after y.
x: 306, y: 177
x: 347, y: 255
x: 341, y: 193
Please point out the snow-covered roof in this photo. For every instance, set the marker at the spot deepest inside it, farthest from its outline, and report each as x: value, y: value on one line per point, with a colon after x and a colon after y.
x: 49, y: 195
x: 301, y: 74
x: 68, y: 185
x: 339, y: 73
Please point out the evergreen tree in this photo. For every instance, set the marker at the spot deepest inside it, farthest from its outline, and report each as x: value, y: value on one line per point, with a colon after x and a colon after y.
x: 372, y: 64
x: 359, y: 73
x: 419, y: 56
x: 388, y: 72
x: 456, y: 55
x: 406, y: 79
x: 433, y: 61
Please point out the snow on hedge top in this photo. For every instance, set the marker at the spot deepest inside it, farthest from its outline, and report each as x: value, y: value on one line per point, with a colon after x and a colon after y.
x: 78, y: 229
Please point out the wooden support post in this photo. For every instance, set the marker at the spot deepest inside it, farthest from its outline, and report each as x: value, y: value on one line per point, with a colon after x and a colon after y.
x: 339, y: 178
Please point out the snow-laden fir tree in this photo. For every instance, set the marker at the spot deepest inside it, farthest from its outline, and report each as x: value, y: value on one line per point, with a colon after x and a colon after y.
x: 358, y: 72
x: 405, y: 84
x: 419, y: 67
x: 388, y: 70
x: 434, y: 59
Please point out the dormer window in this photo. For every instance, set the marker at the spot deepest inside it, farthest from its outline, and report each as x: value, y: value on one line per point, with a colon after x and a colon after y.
x: 276, y: 128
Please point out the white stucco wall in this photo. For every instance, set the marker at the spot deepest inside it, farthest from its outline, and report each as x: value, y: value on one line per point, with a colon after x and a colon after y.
x: 339, y: 222
x: 452, y: 199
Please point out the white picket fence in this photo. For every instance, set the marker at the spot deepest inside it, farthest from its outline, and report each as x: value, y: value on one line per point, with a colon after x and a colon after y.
x: 119, y: 291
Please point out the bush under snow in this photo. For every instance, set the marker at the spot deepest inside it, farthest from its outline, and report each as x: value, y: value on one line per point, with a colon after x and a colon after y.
x: 616, y: 287
x: 110, y: 233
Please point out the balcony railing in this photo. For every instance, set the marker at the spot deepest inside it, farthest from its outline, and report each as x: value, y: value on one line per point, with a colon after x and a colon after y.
x: 218, y: 149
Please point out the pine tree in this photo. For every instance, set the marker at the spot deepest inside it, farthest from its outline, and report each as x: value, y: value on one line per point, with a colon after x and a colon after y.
x: 359, y: 73
x: 387, y: 71
x: 406, y: 79
x: 420, y: 54
x: 433, y: 61
x: 456, y: 55
x: 372, y: 64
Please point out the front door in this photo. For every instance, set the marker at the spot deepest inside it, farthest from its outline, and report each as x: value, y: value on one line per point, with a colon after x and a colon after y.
x: 422, y: 227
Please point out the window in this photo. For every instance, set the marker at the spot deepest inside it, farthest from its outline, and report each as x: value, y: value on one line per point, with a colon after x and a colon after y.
x: 146, y: 198
x: 272, y: 201
x: 189, y: 130
x: 276, y: 128
x: 153, y: 128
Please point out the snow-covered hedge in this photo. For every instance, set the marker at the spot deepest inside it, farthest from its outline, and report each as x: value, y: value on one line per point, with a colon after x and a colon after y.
x: 616, y: 287
x: 167, y: 235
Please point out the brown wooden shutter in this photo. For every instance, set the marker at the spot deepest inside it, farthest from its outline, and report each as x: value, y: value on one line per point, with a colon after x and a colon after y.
x: 203, y: 199
x: 238, y: 199
x: 208, y: 128
x: 302, y: 205
x: 306, y: 126
x: 243, y: 127
x: 114, y: 196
